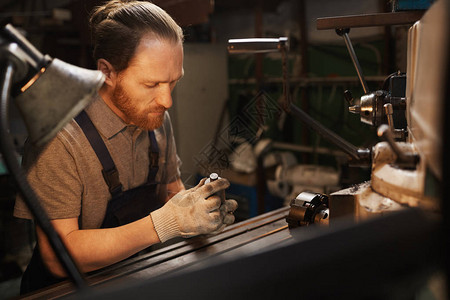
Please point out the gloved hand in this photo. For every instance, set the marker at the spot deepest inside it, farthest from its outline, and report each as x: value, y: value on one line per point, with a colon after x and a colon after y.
x: 194, y: 211
x: 226, y: 212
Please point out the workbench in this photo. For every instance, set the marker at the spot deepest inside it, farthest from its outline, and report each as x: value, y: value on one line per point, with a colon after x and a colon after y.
x: 261, y: 258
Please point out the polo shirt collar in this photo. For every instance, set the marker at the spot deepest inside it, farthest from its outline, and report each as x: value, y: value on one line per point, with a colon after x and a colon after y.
x: 105, y: 120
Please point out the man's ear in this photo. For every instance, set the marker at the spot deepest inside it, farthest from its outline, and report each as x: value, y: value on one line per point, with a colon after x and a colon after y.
x: 109, y: 71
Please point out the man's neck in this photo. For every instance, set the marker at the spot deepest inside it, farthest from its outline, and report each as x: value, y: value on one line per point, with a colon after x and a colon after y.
x: 106, y: 95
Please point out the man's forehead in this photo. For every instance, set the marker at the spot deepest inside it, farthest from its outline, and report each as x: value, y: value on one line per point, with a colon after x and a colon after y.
x: 151, y: 41
x: 151, y: 47
x: 157, y: 60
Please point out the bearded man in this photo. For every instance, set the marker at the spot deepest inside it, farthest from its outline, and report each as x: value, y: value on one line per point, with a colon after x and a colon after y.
x: 110, y: 180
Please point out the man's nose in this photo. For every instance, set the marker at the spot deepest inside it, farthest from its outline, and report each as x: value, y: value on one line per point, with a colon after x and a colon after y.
x: 165, y: 97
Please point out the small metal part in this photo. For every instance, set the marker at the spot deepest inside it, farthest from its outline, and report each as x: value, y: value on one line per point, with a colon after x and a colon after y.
x: 308, y: 208
x: 355, y: 109
x: 349, y: 97
x: 398, y: 134
x: 404, y: 160
x: 385, y: 133
x: 371, y: 108
x: 389, y: 111
x: 213, y: 177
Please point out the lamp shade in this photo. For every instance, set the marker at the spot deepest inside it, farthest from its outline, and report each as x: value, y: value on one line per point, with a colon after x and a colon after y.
x: 58, y: 94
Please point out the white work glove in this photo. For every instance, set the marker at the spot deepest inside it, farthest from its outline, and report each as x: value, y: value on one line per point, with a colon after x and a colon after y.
x: 194, y: 211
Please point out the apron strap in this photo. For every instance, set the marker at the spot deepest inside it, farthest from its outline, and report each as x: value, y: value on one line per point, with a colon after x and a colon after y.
x: 110, y: 173
x: 154, y: 158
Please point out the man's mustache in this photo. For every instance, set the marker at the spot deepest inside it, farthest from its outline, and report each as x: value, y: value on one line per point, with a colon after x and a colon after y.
x: 158, y: 110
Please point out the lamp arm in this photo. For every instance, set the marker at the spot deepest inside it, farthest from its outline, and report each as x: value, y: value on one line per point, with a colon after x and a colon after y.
x: 36, y: 58
x: 28, y: 194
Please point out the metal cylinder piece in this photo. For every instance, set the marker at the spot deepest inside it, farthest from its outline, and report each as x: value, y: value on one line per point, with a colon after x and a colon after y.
x: 213, y: 177
x: 256, y: 45
x: 308, y: 208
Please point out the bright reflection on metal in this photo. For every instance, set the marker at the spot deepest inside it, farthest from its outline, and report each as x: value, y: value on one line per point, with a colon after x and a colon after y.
x: 32, y: 80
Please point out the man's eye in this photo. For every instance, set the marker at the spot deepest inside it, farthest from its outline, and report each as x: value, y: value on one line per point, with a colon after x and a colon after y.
x: 151, y: 85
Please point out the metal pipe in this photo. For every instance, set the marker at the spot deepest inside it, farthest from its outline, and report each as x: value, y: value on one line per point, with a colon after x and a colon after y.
x: 307, y: 81
x: 286, y: 89
x: 385, y: 132
x: 355, y: 61
x: 389, y: 112
x: 325, y: 132
x: 255, y: 45
x: 37, y: 59
x: 308, y: 149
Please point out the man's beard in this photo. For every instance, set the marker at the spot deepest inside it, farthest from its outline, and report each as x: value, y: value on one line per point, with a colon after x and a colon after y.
x: 141, y: 119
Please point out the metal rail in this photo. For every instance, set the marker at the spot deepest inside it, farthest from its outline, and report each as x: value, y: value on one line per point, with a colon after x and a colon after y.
x: 369, y: 20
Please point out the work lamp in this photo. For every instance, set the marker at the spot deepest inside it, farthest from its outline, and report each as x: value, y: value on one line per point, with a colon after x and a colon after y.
x: 48, y: 93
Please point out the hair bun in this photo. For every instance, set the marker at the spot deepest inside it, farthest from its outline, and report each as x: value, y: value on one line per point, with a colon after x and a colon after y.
x: 102, y: 13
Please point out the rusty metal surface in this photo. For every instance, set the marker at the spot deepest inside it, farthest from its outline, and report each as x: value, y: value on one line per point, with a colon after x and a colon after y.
x: 242, y: 238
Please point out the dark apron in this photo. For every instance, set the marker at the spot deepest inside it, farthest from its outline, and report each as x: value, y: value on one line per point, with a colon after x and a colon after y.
x: 123, y: 208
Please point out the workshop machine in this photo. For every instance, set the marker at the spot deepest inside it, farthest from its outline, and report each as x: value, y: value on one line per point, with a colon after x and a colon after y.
x: 406, y: 169
x: 384, y: 237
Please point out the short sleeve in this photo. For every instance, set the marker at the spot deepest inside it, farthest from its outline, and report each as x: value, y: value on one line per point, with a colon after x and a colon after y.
x: 55, y: 180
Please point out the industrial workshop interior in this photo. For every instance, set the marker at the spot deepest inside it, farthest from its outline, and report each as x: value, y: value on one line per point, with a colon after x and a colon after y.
x: 328, y: 118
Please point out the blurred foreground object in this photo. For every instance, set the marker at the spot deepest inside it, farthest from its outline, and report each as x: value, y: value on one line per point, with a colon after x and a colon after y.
x: 48, y: 93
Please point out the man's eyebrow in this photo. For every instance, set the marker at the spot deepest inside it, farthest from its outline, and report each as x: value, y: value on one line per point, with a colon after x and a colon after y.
x: 178, y: 79
x: 154, y: 80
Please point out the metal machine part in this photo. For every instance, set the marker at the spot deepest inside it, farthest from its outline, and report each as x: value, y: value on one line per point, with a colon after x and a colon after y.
x: 264, y: 45
x: 369, y: 255
x: 359, y: 156
x: 372, y: 110
x: 344, y: 33
x: 213, y: 177
x: 389, y: 112
x: 400, y: 180
x: 308, y: 208
x: 404, y: 160
x: 407, y: 166
x: 360, y: 202
x: 371, y: 105
x: 240, y: 262
x: 256, y: 45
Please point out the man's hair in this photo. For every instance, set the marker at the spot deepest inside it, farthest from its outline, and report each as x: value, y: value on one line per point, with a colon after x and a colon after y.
x: 118, y: 26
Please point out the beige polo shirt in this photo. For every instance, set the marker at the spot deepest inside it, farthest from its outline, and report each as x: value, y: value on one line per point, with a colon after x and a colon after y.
x: 67, y: 175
